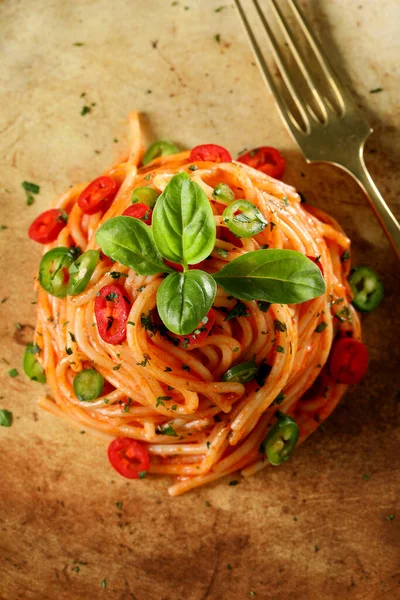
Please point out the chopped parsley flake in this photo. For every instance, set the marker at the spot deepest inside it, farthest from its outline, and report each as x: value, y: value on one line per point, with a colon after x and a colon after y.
x: 166, y: 430
x: 142, y: 474
x: 321, y: 327
x: 13, y: 372
x: 376, y: 90
x: 279, y: 326
x: 263, y: 305
x: 239, y: 310
x: 85, y: 110
x: 103, y: 584
x: 218, y: 38
x: 280, y: 349
x: 234, y: 482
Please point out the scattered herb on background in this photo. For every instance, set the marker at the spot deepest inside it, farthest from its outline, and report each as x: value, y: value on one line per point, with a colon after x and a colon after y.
x: 13, y: 373
x: 218, y: 38
x: 321, y: 327
x: 30, y: 188
x: 376, y: 90
x: 85, y: 110
x: 5, y: 418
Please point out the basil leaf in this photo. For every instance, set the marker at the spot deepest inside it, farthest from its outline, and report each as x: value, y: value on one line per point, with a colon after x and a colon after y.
x: 183, y: 222
x: 277, y: 276
x: 184, y: 299
x: 130, y: 242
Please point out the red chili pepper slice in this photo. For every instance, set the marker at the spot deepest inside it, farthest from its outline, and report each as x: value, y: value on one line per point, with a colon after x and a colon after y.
x: 179, y: 267
x: 139, y: 211
x: 317, y: 262
x: 128, y: 457
x: 266, y: 159
x: 111, y: 308
x: 97, y: 195
x: 210, y: 152
x: 46, y: 227
x: 349, y: 361
x: 195, y: 339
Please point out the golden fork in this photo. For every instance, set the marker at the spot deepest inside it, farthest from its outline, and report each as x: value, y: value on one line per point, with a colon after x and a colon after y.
x: 337, y: 136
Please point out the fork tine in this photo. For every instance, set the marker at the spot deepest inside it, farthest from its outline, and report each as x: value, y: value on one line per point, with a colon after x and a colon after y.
x: 288, y: 118
x: 337, y: 86
x: 283, y: 68
x: 298, y: 55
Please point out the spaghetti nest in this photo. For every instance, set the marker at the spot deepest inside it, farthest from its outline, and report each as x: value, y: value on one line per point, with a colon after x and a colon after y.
x: 173, y: 400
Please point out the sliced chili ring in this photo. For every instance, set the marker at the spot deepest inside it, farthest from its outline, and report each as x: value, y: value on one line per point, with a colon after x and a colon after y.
x: 266, y: 159
x: 54, y: 270
x: 367, y: 288
x: 88, y: 385
x: 348, y: 361
x: 223, y: 192
x: 128, y: 457
x: 32, y: 367
x: 81, y: 271
x: 111, y: 307
x: 145, y: 195
x: 281, y: 440
x: 47, y: 226
x: 139, y: 211
x: 244, y: 219
x: 242, y: 373
x: 161, y: 148
x: 97, y: 195
x: 211, y: 153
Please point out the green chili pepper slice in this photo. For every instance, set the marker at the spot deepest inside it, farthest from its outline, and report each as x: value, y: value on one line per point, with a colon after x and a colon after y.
x: 244, y: 219
x: 145, y: 195
x: 81, y: 271
x: 157, y: 149
x: 88, y: 385
x: 281, y: 440
x: 223, y: 192
x: 54, y: 270
x: 366, y: 287
x: 32, y: 367
x: 243, y: 372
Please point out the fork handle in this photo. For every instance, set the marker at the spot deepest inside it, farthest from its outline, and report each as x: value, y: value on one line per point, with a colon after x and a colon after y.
x: 385, y: 216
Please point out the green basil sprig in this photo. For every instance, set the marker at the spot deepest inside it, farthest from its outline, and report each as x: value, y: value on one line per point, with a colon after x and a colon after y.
x: 130, y: 242
x: 277, y: 276
x: 183, y: 299
x: 183, y: 222
x: 184, y: 232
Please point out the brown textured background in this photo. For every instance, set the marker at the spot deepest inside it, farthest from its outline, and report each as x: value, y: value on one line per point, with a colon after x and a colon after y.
x: 312, y: 529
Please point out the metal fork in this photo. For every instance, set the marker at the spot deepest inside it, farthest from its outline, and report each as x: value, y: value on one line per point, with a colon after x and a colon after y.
x: 339, y: 136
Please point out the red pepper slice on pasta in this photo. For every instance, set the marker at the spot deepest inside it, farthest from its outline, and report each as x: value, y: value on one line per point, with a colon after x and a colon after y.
x: 210, y: 152
x: 139, y: 211
x: 317, y: 262
x: 111, y: 307
x: 266, y: 159
x: 129, y: 458
x: 46, y: 227
x: 349, y: 361
x: 97, y: 195
x: 197, y: 337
